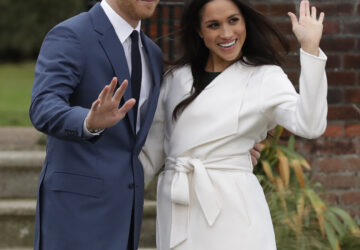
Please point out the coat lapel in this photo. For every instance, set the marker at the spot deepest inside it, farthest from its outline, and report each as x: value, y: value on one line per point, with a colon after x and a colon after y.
x: 214, y: 114
x: 114, y: 51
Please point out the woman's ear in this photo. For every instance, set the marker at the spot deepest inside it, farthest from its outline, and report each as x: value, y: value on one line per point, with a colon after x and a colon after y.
x: 200, y: 34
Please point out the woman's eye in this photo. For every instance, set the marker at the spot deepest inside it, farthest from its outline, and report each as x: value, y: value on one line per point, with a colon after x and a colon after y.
x: 233, y: 20
x: 213, y: 25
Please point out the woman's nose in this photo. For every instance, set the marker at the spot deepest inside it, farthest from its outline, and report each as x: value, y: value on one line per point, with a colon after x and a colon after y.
x: 226, y: 32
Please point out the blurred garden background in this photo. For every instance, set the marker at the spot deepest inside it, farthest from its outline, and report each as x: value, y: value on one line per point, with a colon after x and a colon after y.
x: 313, y: 187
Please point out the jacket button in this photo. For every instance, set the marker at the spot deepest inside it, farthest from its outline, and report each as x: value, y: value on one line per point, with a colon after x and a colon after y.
x: 131, y: 186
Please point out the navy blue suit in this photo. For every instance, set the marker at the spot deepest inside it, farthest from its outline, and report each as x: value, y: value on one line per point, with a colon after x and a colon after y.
x: 89, y: 190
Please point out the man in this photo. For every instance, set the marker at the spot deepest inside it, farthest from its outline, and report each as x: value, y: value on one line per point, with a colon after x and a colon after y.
x: 91, y: 186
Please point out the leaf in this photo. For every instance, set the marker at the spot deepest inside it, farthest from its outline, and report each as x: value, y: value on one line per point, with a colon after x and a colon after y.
x: 300, y: 211
x: 293, y: 155
x: 349, y: 222
x: 268, y: 171
x: 284, y: 168
x: 335, y: 222
x: 291, y: 143
x: 305, y: 164
x: 331, y: 235
x: 278, y: 132
x: 298, y: 172
x: 319, y: 207
x: 279, y: 185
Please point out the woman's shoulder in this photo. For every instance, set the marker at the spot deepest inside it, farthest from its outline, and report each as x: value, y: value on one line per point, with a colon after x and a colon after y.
x: 177, y: 77
x: 268, y: 69
x: 177, y: 71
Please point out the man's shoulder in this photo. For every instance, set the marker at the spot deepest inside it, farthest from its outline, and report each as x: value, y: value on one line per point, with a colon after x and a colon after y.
x: 76, y: 22
x: 77, y: 27
x: 152, y: 44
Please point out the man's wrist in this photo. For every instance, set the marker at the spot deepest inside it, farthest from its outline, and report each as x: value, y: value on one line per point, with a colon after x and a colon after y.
x: 92, y: 131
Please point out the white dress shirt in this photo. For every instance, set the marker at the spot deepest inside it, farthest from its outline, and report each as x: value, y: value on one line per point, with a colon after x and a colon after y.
x: 123, y: 30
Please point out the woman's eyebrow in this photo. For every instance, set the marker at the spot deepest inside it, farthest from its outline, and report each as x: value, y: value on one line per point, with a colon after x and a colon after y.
x: 214, y: 20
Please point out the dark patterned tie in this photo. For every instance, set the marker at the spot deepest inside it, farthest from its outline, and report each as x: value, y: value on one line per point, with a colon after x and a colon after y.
x: 136, y: 74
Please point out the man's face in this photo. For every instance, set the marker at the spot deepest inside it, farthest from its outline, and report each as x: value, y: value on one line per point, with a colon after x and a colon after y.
x: 134, y: 10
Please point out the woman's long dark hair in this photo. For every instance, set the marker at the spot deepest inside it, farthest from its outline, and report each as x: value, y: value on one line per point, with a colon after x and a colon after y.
x: 259, y: 47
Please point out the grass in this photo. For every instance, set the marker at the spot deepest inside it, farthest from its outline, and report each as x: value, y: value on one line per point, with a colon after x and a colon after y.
x: 16, y: 82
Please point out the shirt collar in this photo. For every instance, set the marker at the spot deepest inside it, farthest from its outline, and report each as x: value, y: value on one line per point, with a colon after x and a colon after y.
x: 122, y: 28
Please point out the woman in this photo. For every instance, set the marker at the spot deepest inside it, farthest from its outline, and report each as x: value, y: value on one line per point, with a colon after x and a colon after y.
x: 225, y: 94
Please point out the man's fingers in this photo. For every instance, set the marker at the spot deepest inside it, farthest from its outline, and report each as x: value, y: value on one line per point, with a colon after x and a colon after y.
x: 103, y: 94
x: 321, y: 17
x: 95, y: 105
x: 112, y: 87
x: 120, y: 91
x: 127, y: 106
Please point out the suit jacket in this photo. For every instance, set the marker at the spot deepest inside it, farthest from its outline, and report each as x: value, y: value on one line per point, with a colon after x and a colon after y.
x: 207, y: 194
x: 88, y: 189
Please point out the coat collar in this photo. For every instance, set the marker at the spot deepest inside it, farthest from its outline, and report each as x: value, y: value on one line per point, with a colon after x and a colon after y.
x: 214, y: 113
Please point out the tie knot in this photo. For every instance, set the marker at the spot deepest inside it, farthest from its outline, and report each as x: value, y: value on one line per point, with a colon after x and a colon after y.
x: 134, y: 36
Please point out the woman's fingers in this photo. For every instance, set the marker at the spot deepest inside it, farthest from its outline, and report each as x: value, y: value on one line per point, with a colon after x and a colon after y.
x: 321, y: 17
x: 302, y: 9
x: 313, y: 12
x: 307, y: 8
x: 293, y: 19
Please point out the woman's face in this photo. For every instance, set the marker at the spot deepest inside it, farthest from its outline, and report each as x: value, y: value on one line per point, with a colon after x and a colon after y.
x: 222, y: 27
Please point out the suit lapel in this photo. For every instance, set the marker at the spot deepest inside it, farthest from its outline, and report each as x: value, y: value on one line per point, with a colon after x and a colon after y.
x: 153, y: 95
x: 114, y: 51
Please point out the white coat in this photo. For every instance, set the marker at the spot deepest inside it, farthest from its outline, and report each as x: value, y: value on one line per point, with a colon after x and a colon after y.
x: 208, y: 197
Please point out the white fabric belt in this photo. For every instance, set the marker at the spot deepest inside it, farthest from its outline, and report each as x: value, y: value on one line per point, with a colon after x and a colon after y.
x: 203, y: 188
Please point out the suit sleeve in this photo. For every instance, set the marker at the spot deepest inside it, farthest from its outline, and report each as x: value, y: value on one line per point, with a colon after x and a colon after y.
x: 152, y: 156
x: 58, y: 72
x: 303, y: 114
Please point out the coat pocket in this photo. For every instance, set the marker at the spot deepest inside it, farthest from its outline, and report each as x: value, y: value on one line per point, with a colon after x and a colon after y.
x: 77, y: 184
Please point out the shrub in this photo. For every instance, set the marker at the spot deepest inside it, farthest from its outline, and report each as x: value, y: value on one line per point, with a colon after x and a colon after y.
x: 23, y: 24
x: 302, y: 219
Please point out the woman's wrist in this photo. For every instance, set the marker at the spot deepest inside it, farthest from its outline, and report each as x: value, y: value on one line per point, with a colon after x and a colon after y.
x: 311, y: 49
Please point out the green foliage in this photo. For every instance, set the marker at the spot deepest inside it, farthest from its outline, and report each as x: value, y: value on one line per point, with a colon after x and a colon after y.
x: 302, y: 219
x: 15, y: 92
x: 24, y: 24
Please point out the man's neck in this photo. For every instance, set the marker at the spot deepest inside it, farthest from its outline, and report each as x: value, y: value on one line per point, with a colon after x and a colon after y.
x: 133, y: 22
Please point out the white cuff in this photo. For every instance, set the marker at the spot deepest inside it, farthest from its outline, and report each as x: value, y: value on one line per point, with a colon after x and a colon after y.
x: 88, y: 134
x: 321, y: 56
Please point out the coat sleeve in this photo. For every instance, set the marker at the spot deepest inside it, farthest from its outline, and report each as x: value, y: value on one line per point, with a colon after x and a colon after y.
x: 303, y: 114
x: 57, y: 74
x: 152, y: 156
